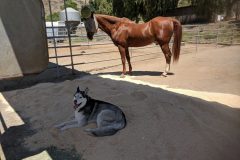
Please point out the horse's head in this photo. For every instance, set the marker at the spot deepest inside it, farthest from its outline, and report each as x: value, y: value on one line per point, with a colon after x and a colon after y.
x: 90, y: 21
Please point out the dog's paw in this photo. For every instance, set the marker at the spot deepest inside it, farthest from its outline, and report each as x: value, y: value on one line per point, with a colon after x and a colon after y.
x: 63, y: 128
x: 89, y: 131
x: 58, y: 126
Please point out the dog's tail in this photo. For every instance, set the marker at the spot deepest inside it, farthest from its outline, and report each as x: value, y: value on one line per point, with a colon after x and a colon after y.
x: 103, y: 131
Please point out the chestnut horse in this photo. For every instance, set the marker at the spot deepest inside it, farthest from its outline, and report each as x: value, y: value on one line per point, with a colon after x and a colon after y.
x: 126, y: 33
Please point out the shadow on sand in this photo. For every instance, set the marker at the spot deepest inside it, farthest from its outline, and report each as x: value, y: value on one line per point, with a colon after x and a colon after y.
x: 138, y: 73
x: 192, y: 126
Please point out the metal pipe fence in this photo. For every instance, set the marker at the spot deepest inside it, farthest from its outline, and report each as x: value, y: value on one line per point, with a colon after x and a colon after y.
x: 74, y: 50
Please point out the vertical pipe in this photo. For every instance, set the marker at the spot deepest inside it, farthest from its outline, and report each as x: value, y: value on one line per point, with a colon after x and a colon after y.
x: 196, y: 39
x: 69, y: 36
x: 54, y: 40
x: 217, y: 37
x: 232, y: 37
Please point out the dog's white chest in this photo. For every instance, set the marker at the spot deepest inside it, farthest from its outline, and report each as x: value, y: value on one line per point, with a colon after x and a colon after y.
x: 78, y: 116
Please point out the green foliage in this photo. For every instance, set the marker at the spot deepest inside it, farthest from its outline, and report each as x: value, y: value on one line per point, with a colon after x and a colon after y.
x: 208, y: 8
x: 147, y: 9
x: 153, y: 8
x: 71, y: 4
x: 55, y: 17
x: 184, y: 3
x: 126, y: 8
x: 102, y: 6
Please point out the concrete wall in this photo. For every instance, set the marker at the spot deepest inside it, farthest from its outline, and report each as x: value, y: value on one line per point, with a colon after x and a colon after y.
x: 23, y: 44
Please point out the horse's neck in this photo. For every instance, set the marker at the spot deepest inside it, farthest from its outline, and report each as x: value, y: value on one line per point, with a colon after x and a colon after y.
x: 106, y: 23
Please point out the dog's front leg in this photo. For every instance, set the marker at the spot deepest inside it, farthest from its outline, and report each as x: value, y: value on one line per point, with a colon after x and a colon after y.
x: 81, y: 123
x: 66, y: 123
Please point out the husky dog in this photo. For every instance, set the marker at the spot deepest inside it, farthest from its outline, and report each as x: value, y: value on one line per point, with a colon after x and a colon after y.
x: 108, y: 117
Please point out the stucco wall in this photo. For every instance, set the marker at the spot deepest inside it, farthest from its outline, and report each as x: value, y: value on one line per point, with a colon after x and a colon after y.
x: 23, y: 44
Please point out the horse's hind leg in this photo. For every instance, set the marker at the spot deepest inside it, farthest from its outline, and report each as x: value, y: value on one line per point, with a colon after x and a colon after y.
x: 128, y: 60
x: 167, y: 53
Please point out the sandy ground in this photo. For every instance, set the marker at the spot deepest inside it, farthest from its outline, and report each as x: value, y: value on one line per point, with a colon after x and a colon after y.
x: 194, y: 113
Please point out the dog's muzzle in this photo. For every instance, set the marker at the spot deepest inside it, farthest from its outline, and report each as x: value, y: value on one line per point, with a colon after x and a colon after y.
x: 76, y: 105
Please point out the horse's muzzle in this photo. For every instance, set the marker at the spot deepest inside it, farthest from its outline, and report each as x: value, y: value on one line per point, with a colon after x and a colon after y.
x: 90, y: 35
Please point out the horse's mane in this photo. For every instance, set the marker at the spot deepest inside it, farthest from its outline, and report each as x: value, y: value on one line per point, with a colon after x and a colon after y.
x: 113, y: 19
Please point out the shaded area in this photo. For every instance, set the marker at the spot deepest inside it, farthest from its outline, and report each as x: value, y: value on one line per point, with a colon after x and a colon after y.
x: 161, y: 124
x: 138, y: 73
x: 12, y: 141
x: 55, y: 74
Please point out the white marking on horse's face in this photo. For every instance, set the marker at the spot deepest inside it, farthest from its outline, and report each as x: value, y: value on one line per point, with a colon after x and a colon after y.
x: 79, y: 100
x: 91, y: 26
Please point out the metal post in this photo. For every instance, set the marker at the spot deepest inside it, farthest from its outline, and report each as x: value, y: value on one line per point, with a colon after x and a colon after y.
x: 69, y: 37
x: 54, y: 40
x: 196, y: 39
x: 217, y: 37
x: 232, y: 37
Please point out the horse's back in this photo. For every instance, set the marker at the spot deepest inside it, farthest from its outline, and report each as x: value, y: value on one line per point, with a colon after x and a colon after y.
x: 166, y: 21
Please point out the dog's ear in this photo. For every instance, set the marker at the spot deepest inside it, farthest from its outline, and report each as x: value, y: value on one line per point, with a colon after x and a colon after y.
x: 78, y: 90
x: 86, y: 91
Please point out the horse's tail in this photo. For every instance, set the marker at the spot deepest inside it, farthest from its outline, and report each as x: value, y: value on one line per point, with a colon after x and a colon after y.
x: 177, y: 28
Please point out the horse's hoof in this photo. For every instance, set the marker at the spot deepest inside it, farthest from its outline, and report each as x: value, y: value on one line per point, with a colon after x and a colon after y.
x: 122, y: 76
x: 130, y: 73
x: 164, y: 74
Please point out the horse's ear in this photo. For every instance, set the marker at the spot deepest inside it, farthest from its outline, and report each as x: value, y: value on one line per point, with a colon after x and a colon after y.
x: 78, y: 90
x: 92, y: 15
x: 86, y: 91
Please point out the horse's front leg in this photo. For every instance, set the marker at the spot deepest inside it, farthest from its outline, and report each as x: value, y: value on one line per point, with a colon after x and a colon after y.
x: 128, y: 60
x: 122, y: 51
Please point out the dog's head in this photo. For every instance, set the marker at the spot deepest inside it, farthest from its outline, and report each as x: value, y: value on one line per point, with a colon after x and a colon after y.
x: 80, y: 98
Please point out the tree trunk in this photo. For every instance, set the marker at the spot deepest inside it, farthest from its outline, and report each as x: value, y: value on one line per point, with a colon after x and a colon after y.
x: 229, y: 9
x: 237, y: 11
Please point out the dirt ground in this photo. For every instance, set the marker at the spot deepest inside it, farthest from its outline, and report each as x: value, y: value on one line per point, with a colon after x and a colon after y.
x: 194, y: 113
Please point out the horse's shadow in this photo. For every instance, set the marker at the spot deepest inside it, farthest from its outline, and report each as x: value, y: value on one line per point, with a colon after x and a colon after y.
x: 138, y: 73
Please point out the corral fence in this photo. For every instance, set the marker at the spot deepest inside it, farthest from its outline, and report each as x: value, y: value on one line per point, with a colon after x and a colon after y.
x: 70, y: 48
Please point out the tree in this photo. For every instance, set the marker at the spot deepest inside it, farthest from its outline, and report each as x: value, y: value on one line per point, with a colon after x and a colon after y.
x: 71, y: 4
x: 102, y: 6
x: 126, y: 8
x: 55, y: 17
x: 153, y: 8
x: 208, y: 9
x: 147, y: 9
x: 184, y: 3
x: 229, y: 4
x: 236, y: 10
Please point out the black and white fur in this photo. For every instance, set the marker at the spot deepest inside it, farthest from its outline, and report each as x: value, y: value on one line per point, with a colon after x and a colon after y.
x: 108, y: 117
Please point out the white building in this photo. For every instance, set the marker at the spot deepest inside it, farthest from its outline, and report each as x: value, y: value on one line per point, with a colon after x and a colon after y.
x: 56, y: 30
